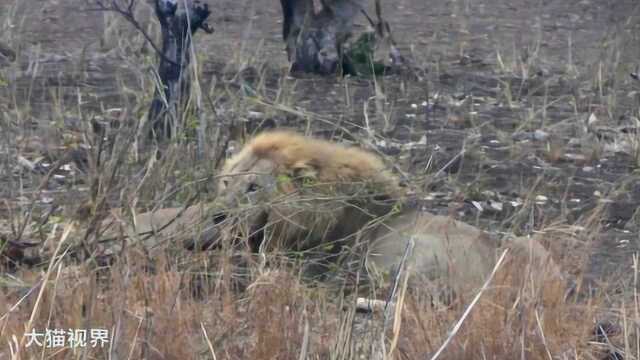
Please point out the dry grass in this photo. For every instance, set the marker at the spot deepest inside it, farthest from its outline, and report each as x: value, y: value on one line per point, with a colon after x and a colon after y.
x: 154, y: 314
x: 174, y: 304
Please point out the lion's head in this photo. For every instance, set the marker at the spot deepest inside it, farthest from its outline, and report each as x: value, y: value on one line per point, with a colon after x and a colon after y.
x: 284, y: 190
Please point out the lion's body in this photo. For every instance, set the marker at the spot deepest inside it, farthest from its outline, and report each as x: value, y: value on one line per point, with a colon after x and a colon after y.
x: 183, y: 226
x: 287, y: 192
x: 452, y: 253
x: 444, y: 249
x: 315, y: 194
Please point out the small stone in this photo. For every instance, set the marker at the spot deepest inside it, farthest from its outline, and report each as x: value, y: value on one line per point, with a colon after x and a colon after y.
x: 541, y: 199
x: 255, y: 115
x: 540, y: 135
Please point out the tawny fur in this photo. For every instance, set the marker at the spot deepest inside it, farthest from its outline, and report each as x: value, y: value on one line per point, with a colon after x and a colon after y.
x: 313, y: 192
x: 290, y: 215
x: 445, y: 249
x: 333, y: 162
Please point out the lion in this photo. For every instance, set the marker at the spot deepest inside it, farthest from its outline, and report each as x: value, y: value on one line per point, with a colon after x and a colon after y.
x: 287, y: 192
x: 305, y: 192
x: 296, y: 193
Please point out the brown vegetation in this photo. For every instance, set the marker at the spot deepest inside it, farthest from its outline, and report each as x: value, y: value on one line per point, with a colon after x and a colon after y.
x: 516, y: 134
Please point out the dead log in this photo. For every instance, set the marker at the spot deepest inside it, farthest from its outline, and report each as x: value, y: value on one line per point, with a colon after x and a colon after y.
x: 322, y: 41
x: 315, y: 39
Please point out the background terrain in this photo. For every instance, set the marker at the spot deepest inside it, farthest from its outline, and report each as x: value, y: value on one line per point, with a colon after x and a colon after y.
x: 520, y: 117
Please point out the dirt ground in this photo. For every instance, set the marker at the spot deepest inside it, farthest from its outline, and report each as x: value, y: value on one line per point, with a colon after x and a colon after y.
x: 524, y: 113
x: 516, y: 116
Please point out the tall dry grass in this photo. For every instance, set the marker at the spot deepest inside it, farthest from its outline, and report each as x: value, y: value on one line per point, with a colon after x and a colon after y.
x: 162, y: 309
x: 181, y: 305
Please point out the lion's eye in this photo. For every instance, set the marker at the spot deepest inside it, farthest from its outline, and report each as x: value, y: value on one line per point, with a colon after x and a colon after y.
x: 253, y: 187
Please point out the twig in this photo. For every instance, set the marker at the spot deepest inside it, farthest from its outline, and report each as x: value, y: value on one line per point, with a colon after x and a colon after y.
x: 466, y: 313
x: 304, y: 350
x: 449, y: 163
x: 213, y: 353
x: 23, y: 298
x: 43, y: 183
x: 544, y: 340
x: 67, y: 230
x: 397, y: 321
x: 130, y: 18
x: 407, y: 252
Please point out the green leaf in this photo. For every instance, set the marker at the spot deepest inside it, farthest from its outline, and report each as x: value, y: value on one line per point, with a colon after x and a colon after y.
x: 283, y: 178
x: 360, y: 54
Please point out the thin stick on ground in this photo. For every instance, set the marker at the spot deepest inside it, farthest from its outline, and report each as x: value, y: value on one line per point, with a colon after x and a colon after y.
x: 54, y: 261
x: 304, y: 350
x: 209, y: 344
x: 397, y: 321
x: 466, y: 313
x: 402, y: 270
x: 544, y: 340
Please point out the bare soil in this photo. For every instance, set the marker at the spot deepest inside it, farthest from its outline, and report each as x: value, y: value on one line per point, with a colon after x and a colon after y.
x: 523, y: 114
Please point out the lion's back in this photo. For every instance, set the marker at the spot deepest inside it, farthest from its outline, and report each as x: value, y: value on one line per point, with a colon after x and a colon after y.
x: 444, y: 249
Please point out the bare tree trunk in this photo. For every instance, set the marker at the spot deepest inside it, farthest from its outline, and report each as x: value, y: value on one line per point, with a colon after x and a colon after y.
x: 314, y: 40
x: 179, y: 20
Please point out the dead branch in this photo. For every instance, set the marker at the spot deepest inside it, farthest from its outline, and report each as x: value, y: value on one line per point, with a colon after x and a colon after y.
x: 179, y: 20
x: 128, y: 13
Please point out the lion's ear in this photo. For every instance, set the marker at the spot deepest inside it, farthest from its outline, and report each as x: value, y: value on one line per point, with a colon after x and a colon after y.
x: 304, y: 172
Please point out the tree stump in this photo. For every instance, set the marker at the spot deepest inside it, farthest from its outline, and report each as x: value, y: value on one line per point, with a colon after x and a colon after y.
x: 315, y: 39
x: 179, y: 21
